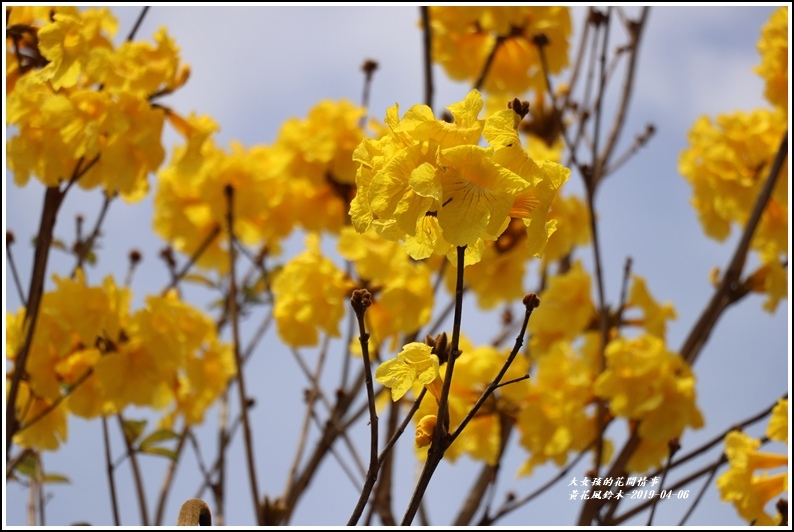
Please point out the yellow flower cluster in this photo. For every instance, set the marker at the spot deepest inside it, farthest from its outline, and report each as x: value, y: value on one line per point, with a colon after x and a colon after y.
x: 555, y: 416
x: 304, y: 179
x: 464, y: 37
x: 86, y: 111
x: 774, y: 66
x: 429, y: 183
x: 309, y: 294
x: 402, y: 288
x: 749, y: 492
x: 475, y: 369
x: 100, y: 358
x: 649, y: 385
x: 728, y: 160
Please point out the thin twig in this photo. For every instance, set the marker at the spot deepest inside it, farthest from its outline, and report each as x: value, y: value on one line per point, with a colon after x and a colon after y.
x: 427, y: 54
x: 84, y: 246
x: 674, y: 446
x: 136, y: 473
x: 137, y: 24
x: 488, y: 62
x: 438, y: 445
x: 360, y: 301
x: 193, y: 258
x: 14, y: 272
x: 635, y: 29
x: 723, y: 297
x: 168, y: 480
x: 114, y: 503
x: 242, y: 395
x: 311, y: 395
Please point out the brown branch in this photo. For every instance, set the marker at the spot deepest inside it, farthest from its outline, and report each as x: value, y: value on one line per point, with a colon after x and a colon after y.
x: 724, y: 294
x: 242, y: 396
x: 114, y: 502
x: 136, y: 473
x: 427, y: 54
x: 441, y: 432
x: 635, y: 32
x: 361, y: 300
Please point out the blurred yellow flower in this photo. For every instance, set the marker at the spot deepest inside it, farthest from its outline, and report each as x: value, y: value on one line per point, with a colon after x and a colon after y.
x: 465, y: 36
x: 749, y: 492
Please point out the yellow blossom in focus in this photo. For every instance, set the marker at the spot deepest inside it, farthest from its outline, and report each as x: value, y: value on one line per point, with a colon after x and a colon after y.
x: 748, y: 491
x: 413, y: 364
x: 309, y: 295
x: 430, y: 184
x: 773, y: 47
x: 465, y: 36
x: 475, y: 369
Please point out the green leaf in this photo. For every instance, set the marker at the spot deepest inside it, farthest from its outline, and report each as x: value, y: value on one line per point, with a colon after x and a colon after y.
x: 27, y: 466
x: 199, y: 279
x: 133, y: 429
x: 158, y: 436
x: 160, y: 451
x: 56, y: 478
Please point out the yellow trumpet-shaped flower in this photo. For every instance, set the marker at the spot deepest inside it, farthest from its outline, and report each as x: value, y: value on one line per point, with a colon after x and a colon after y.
x: 413, y: 364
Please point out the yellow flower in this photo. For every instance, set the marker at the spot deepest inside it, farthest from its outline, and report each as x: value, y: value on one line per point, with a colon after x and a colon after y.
x: 431, y: 185
x: 573, y: 227
x: 47, y: 433
x: 778, y: 422
x: 190, y: 201
x: 567, y: 309
x: 773, y: 47
x: 309, y: 295
x: 464, y: 37
x: 69, y: 42
x: 554, y: 418
x: 655, y: 316
x: 475, y: 369
x: 647, y: 384
x: 749, y: 492
x: 424, y: 431
x: 413, y: 364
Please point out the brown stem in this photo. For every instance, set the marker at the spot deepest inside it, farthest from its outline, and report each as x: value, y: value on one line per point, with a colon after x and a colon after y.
x: 382, y: 499
x: 531, y: 302
x: 84, y: 246
x: 114, y: 503
x: 136, y: 473
x: 441, y: 432
x: 137, y: 25
x: 193, y: 258
x: 488, y: 62
x: 361, y: 300
x: 723, y: 296
x: 168, y: 480
x: 53, y: 198
x: 427, y: 54
x: 242, y: 396
x: 14, y: 272
x: 635, y: 32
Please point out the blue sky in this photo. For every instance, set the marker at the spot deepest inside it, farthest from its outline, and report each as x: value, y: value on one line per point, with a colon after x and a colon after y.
x: 254, y: 67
